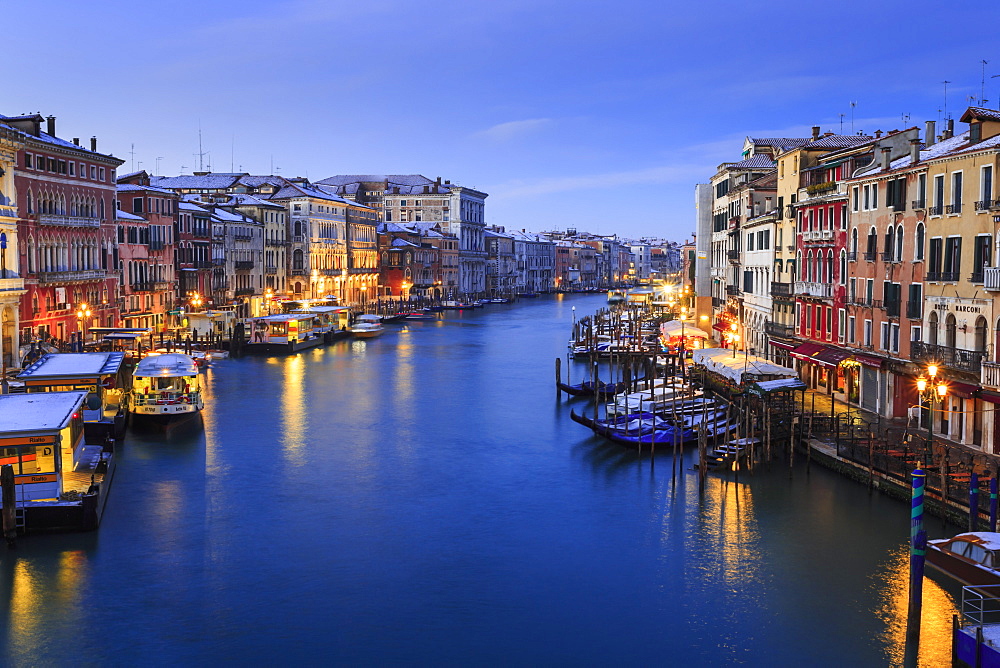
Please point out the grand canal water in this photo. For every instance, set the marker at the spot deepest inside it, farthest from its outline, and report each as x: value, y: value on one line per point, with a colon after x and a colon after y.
x: 424, y: 498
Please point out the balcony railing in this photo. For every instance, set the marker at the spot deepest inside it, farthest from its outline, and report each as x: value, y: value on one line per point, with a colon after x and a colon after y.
x: 935, y: 210
x: 717, y: 302
x: 887, y: 256
x: 298, y: 272
x: 891, y: 308
x: 68, y: 221
x: 790, y: 247
x: 780, y: 330
x: 243, y: 264
x: 243, y: 237
x: 953, y: 358
x: 919, y: 204
x: 781, y: 289
x: 733, y: 255
x: 942, y: 276
x: 870, y: 256
x: 976, y: 277
x: 953, y: 208
x: 991, y: 278
x: 218, y: 261
x: 69, y: 276
x: 274, y: 242
x: 733, y: 291
x: 242, y: 292
x: 155, y: 245
x: 915, y: 310
x: 813, y: 289
x: 11, y: 284
x: 852, y: 256
x: 991, y: 374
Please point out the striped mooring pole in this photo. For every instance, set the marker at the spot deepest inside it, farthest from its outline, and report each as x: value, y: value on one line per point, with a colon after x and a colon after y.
x: 918, y: 549
x: 974, y: 502
x: 993, y: 501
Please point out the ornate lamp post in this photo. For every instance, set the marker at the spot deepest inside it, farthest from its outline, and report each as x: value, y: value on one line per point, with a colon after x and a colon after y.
x: 931, y: 389
x: 268, y: 295
x: 82, y: 315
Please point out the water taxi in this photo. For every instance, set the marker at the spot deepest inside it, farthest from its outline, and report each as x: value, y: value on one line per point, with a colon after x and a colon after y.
x: 616, y: 296
x: 287, y: 333
x: 166, y: 389
x: 971, y: 558
x: 367, y: 326
x: 330, y: 322
x: 101, y: 375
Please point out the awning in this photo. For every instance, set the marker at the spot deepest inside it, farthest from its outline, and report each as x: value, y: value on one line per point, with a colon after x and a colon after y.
x: 831, y: 356
x: 782, y: 344
x: 963, y: 390
x: 874, y: 362
x: 807, y: 350
x: 720, y: 327
x: 992, y: 397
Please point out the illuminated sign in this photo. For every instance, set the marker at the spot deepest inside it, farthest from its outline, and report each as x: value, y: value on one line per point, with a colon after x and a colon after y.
x: 41, y: 477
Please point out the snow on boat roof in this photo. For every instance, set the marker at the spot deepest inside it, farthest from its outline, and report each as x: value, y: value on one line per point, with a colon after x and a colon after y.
x: 38, y: 411
x: 170, y: 364
x: 283, y: 317
x: 990, y: 540
x: 73, y: 365
x: 321, y: 309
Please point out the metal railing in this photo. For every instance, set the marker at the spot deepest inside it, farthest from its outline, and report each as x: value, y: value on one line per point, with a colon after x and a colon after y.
x: 954, y: 358
x: 953, y: 208
x: 781, y: 289
x: 68, y: 221
x: 990, y: 374
x: 919, y: 204
x: 141, y: 287
x: 733, y: 255
x: 915, y: 310
x: 67, y: 276
x: 870, y: 256
x: 243, y: 264
x: 976, y: 277
x: 780, y: 330
x: 891, y: 308
x: 852, y: 256
x: 733, y: 291
x: 942, y: 276
x: 992, y: 278
x: 935, y: 210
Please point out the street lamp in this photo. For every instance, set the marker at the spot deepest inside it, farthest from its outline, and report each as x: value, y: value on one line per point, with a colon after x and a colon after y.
x: 195, y: 300
x: 268, y: 295
x: 931, y: 389
x: 313, y: 276
x: 82, y: 314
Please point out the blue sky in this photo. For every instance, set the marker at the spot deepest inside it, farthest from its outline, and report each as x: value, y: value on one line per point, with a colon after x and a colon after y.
x: 595, y: 115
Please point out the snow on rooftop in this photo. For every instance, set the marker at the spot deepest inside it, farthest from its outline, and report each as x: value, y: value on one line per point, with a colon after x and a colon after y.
x: 38, y: 411
x: 56, y: 365
x: 170, y: 364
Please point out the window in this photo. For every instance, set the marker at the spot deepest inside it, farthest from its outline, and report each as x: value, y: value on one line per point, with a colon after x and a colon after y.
x: 840, y: 324
x: 938, y: 193
x: 855, y: 199
x: 27, y: 161
x: 934, y: 264
x: 952, y: 258
x: 137, y: 205
x: 869, y: 290
x: 956, y: 192
x: 867, y: 340
x: 986, y: 185
x: 102, y: 174
x: 93, y: 172
x: 72, y: 169
x: 885, y: 339
x: 980, y: 257
x: 843, y: 267
x: 851, y: 324
x: 915, y: 333
x: 932, y: 327
x: 921, y: 191
x: 918, y: 250
x: 829, y: 323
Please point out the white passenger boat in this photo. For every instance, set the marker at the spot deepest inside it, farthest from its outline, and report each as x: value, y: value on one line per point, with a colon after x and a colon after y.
x: 287, y: 333
x: 367, y: 326
x: 165, y: 389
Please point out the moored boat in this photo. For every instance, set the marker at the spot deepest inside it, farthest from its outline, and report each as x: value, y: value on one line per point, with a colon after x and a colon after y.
x: 166, y: 389
x: 971, y: 558
x: 367, y: 326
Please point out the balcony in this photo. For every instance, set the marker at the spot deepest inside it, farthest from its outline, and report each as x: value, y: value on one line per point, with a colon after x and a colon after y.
x: 990, y: 375
x: 953, y: 358
x: 781, y: 289
x: 852, y: 256
x: 155, y: 245
x: 733, y: 255
x: 717, y: 302
x: 891, y: 308
x: 936, y: 210
x: 953, y: 208
x: 887, y: 256
x: 813, y: 289
x: 68, y: 221
x: 870, y: 256
x: 270, y: 270
x: 242, y: 237
x: 779, y: 330
x: 820, y: 188
x: 201, y: 232
x: 987, y: 204
x: 218, y: 261
x: 274, y: 242
x: 243, y: 264
x: 992, y: 278
x: 243, y: 292
x: 790, y: 247
x: 163, y: 285
x: 298, y: 272
x: 71, y: 276
x: 915, y: 310
x: 919, y: 204
x: 733, y: 291
x: 942, y: 276
x: 976, y: 277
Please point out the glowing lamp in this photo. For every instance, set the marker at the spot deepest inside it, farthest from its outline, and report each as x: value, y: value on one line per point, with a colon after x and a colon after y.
x: 942, y: 390
x: 932, y: 370
x: 921, y: 384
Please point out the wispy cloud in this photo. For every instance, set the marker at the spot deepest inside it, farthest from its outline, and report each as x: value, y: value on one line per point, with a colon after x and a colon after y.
x: 552, y: 185
x: 513, y: 129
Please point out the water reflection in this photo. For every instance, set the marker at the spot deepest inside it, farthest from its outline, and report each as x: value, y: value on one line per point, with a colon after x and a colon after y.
x: 893, y: 587
x: 293, y: 409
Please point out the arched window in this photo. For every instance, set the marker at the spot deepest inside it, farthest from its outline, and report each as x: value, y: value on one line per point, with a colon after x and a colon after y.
x: 949, y: 331
x: 872, y: 248
x: 297, y: 259
x: 802, y: 267
x: 899, y: 243
x: 890, y: 242
x: 980, y: 341
x: 932, y: 328
x: 829, y: 267
x: 808, y: 270
x: 854, y: 241
x: 918, y: 250
x: 843, y: 267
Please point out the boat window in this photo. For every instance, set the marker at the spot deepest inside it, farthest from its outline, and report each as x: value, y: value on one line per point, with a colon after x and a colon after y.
x: 976, y: 553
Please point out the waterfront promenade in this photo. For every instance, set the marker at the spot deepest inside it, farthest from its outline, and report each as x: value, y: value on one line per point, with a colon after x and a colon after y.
x: 423, y: 497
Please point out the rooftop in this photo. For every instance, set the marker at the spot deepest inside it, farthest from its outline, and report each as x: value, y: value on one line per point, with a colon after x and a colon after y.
x: 38, y: 411
x: 72, y: 365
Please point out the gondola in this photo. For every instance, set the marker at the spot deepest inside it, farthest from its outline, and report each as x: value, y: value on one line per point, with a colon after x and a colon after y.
x: 664, y: 435
x: 600, y: 388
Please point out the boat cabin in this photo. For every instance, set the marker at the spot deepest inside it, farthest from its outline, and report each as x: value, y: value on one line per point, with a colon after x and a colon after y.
x: 981, y: 547
x: 327, y: 318
x: 59, y: 481
x: 166, y: 385
x: 100, y: 375
x: 283, y: 333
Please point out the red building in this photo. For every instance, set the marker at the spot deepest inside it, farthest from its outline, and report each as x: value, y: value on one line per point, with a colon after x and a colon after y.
x: 66, y: 232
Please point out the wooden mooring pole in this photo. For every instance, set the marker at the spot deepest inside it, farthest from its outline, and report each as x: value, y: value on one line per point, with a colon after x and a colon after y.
x: 918, y: 549
x: 559, y: 376
x: 9, y: 500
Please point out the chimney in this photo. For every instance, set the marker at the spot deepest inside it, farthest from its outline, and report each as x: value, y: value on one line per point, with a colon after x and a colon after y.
x: 51, y: 126
x: 949, y: 131
x: 878, y: 134
x: 815, y: 132
x: 437, y: 181
x: 929, y: 134
x: 427, y: 189
x: 93, y: 144
x: 76, y: 140
x: 914, y: 151
x: 886, y: 151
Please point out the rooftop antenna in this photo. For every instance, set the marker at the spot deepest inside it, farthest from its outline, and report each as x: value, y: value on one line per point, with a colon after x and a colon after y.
x: 158, y: 163
x: 946, y: 98
x: 906, y: 117
x: 853, y: 104
x: 842, y: 124
x: 131, y: 152
x: 982, y: 86
x: 183, y: 167
x: 201, y: 153
x: 232, y: 153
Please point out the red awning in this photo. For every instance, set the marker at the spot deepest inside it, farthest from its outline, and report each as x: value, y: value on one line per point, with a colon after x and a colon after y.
x: 831, y: 356
x: 720, y: 327
x: 963, y: 390
x: 782, y: 344
x: 807, y: 350
x: 992, y: 397
x: 874, y: 362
